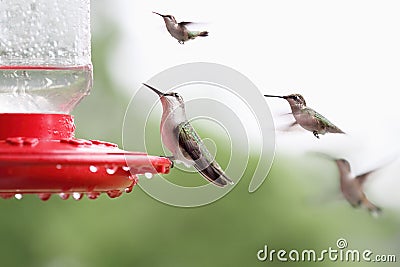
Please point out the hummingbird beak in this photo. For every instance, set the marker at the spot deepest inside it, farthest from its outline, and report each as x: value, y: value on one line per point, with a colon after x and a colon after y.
x: 284, y: 97
x: 159, y: 14
x: 160, y: 94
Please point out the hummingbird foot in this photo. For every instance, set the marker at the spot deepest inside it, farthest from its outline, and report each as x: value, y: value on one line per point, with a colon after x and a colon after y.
x: 316, y: 134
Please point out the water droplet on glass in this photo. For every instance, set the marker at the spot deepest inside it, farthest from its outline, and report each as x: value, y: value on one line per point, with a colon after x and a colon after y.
x: 77, y: 196
x: 51, y: 54
x: 48, y: 82
x: 93, y: 168
x: 18, y: 196
x: 33, y: 6
x: 58, y: 166
x: 148, y: 175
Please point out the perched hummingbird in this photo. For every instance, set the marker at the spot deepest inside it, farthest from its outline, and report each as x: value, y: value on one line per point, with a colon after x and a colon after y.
x: 179, y: 30
x: 308, y: 118
x: 182, y: 140
x: 352, y: 187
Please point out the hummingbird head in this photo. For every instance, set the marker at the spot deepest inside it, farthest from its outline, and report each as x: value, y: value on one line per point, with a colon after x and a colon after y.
x: 167, y: 18
x: 295, y: 100
x: 170, y: 101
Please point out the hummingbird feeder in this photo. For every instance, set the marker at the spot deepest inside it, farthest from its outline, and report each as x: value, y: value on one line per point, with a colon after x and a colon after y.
x: 45, y: 70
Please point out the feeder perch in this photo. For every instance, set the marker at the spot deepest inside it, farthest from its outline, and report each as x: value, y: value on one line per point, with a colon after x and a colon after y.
x: 41, y: 81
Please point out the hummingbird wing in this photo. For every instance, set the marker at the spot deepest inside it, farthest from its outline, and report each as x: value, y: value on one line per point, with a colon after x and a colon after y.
x: 184, y: 23
x: 194, y: 149
x: 324, y: 122
x: 363, y: 177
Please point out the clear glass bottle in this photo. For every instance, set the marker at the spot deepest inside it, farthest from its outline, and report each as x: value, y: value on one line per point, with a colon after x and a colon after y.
x: 45, y: 55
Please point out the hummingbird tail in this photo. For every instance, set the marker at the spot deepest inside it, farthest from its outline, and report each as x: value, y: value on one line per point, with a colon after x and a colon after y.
x: 335, y: 129
x: 214, y: 175
x: 203, y: 33
x: 340, y: 131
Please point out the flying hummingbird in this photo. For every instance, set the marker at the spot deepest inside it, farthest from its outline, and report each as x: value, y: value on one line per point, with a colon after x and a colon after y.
x: 179, y: 30
x: 308, y: 118
x: 352, y: 187
x: 182, y: 140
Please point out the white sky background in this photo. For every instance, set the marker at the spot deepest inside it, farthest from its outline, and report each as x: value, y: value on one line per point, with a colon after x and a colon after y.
x: 343, y: 56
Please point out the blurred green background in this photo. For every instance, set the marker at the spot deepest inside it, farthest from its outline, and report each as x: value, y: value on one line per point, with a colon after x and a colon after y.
x: 295, y: 208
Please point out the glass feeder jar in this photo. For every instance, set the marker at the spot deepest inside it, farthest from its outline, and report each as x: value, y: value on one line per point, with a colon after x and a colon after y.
x: 45, y: 59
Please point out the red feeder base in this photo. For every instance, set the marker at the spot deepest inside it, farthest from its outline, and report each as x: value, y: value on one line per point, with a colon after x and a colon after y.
x: 38, y: 154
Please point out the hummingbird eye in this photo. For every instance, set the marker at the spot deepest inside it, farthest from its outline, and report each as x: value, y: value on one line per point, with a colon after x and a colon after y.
x: 178, y: 97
